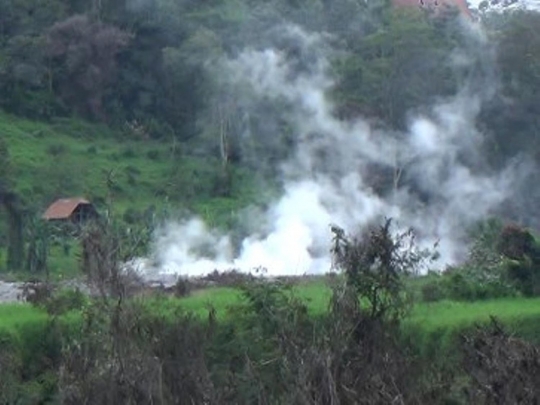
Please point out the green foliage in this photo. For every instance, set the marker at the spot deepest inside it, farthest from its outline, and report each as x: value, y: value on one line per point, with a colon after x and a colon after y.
x: 82, y: 54
x: 56, y: 150
x: 65, y: 301
x: 82, y: 173
x: 432, y: 289
x: 251, y: 351
x: 375, y: 264
x: 523, y: 258
x: 81, y: 60
x: 38, y: 249
x: 396, y: 69
x: 61, y: 59
x: 6, y: 168
x: 503, y: 262
x: 484, y: 275
x: 470, y: 284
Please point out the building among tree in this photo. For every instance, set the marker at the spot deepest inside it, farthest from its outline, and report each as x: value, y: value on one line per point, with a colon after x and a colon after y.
x: 74, y: 210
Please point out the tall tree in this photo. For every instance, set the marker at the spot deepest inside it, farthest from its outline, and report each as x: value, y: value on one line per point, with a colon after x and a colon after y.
x: 10, y: 202
x: 84, y: 52
x: 403, y: 65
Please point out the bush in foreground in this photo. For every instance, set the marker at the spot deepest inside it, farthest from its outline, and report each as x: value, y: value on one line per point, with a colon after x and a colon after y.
x: 504, y: 261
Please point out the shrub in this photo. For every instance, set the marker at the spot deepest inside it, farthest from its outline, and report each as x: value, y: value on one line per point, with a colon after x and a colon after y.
x: 131, y: 215
x: 131, y: 179
x: 65, y: 301
x: 37, y: 293
x: 503, y: 369
x: 470, y: 284
x: 98, y: 200
x: 516, y: 242
x: 92, y: 150
x: 497, y: 265
x: 523, y: 265
x: 153, y: 154
x: 128, y: 153
x: 182, y: 287
x: 432, y: 291
x: 57, y: 149
x: 159, y: 129
x: 230, y: 278
x: 375, y: 264
x: 132, y: 170
x: 55, y: 302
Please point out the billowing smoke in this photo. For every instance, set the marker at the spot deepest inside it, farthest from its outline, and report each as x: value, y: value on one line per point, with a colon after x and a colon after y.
x: 440, y: 184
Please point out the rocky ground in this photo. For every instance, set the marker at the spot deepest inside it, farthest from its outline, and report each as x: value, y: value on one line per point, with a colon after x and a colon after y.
x: 10, y: 292
x: 13, y: 292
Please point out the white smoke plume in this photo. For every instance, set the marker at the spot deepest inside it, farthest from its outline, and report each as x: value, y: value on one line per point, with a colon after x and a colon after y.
x: 326, y: 181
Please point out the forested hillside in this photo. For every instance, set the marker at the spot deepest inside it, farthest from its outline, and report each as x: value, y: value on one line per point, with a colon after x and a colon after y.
x: 127, y: 101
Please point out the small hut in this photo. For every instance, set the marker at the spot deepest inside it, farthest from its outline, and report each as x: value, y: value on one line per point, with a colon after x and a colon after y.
x: 71, y: 210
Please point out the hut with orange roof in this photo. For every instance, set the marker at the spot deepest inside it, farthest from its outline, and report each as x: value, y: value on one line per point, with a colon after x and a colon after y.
x: 75, y: 210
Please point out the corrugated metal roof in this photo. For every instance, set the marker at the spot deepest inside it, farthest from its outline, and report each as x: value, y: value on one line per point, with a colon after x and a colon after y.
x: 63, y: 208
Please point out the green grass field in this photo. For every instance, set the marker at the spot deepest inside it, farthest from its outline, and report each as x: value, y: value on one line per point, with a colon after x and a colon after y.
x: 430, y: 317
x: 448, y: 314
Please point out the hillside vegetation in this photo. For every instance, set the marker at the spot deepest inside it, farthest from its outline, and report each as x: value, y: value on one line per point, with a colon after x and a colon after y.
x: 139, y: 106
x: 127, y: 102
x: 275, y: 341
x: 70, y: 157
x: 141, y: 181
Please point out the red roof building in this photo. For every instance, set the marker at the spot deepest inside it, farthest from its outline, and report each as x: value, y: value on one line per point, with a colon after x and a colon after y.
x: 70, y: 209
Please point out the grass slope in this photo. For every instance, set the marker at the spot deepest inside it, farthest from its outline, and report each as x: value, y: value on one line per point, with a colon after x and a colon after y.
x: 69, y: 157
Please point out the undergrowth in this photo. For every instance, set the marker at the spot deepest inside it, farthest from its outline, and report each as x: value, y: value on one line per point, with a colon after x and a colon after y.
x: 267, y: 342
